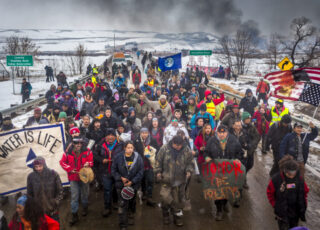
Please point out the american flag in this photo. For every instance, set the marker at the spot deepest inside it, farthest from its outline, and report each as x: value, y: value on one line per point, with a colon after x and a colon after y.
x: 291, y: 84
x: 311, y: 94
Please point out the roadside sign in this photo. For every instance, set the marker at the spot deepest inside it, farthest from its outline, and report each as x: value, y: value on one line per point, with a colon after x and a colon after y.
x: 191, y: 59
x: 200, y: 59
x: 285, y: 64
x: 200, y: 52
x: 19, y: 60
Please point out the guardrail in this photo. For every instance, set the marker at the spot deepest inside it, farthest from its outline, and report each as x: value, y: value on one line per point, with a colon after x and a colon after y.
x: 27, y: 106
x: 14, y: 111
x: 296, y: 119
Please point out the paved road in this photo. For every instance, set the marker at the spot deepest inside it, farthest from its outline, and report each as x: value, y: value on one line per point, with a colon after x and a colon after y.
x: 254, y: 212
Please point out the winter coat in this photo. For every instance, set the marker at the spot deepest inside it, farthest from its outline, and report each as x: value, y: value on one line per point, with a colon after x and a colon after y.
x: 102, y: 152
x: 287, y: 196
x: 262, y: 121
x: 200, y: 142
x: 206, y: 117
x: 96, y: 109
x: 253, y: 137
x: 289, y: 144
x: 32, y: 121
x: 141, y: 109
x: 119, y: 169
x: 171, y: 131
x: 275, y: 136
x: 278, y: 114
x: 248, y: 104
x: 233, y: 149
x: 229, y: 118
x: 166, y: 110
x: 46, y: 187
x: 26, y: 89
x: 50, y: 97
x: 46, y: 223
x: 263, y: 87
x: 79, y: 103
x: 109, y: 122
x: 136, y: 78
x: 158, y: 137
x: 88, y: 106
x: 71, y: 161
x: 211, y: 105
x: 195, y: 133
x: 174, y: 165
x: 139, y: 148
x: 134, y: 128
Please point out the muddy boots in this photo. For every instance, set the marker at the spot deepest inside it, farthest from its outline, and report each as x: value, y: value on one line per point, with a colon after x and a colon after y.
x: 150, y: 202
x: 106, y: 212
x: 177, y: 218
x: 219, y: 216
x: 166, y: 216
x: 74, y: 219
x: 85, y: 211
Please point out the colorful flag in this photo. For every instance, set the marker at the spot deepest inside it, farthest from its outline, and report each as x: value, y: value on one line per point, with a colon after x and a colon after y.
x: 311, y: 94
x: 295, y: 84
x: 170, y: 63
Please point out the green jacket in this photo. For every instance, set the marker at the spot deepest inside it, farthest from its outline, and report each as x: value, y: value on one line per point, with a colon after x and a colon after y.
x: 174, y: 171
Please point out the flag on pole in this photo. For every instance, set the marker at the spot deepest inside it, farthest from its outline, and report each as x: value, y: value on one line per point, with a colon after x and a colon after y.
x: 170, y: 63
x: 297, y: 85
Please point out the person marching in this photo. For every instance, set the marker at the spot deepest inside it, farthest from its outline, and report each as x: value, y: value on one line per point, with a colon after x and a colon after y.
x: 72, y: 161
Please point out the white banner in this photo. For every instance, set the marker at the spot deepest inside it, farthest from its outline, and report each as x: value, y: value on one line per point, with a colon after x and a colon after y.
x: 18, y: 149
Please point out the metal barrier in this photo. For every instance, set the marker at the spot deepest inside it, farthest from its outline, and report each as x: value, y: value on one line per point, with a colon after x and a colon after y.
x: 296, y: 119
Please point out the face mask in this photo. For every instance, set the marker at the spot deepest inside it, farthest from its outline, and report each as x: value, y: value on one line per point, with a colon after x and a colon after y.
x: 116, y: 96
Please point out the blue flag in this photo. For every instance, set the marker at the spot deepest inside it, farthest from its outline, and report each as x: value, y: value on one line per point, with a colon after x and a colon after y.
x: 170, y: 62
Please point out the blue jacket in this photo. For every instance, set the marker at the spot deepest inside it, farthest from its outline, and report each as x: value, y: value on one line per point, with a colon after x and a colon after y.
x: 119, y: 169
x: 289, y: 144
x: 206, y: 117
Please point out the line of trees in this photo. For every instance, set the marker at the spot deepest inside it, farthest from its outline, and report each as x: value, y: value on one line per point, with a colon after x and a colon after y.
x: 302, y: 46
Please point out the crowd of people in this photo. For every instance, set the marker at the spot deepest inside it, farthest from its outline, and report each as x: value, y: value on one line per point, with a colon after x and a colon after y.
x: 133, y: 133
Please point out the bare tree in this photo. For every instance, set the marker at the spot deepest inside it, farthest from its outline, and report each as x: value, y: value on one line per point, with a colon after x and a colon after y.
x: 305, y: 42
x: 15, y: 45
x: 81, y: 53
x: 274, y: 49
x: 226, y: 59
x: 72, y: 65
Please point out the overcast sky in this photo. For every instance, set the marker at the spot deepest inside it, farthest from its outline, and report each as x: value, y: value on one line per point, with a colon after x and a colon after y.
x: 216, y: 16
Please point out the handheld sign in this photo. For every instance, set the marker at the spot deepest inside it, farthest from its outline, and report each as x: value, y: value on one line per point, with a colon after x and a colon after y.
x: 222, y: 179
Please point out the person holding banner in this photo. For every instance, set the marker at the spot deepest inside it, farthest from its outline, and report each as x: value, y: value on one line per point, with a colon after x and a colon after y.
x: 74, y: 159
x: 222, y: 146
x: 44, y: 185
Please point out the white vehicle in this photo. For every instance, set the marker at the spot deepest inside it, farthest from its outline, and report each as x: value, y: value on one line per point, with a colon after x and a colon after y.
x: 119, y: 58
x: 128, y: 57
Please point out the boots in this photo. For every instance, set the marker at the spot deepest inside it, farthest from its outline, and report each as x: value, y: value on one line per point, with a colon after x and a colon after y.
x: 85, y: 211
x: 130, y: 218
x: 166, y: 216
x: 178, y: 220
x: 219, y: 216
x: 150, y: 202
x: 74, y: 219
x: 106, y: 212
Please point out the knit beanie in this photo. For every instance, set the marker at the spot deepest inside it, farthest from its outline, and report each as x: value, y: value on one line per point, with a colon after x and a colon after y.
x: 245, y: 116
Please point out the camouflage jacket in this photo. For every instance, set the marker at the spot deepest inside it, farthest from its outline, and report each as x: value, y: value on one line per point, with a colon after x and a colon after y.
x: 174, y: 171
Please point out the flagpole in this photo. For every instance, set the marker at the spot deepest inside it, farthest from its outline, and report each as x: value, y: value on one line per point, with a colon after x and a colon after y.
x: 314, y: 114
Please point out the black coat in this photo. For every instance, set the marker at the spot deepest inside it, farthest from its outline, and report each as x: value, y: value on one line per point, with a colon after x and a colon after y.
x: 248, y: 105
x: 288, y: 202
x: 275, y: 135
x: 233, y: 149
x: 139, y: 148
x: 135, y: 174
x: 110, y: 122
x: 101, y: 153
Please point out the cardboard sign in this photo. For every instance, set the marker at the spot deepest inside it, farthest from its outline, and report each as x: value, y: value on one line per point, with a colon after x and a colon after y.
x: 222, y: 179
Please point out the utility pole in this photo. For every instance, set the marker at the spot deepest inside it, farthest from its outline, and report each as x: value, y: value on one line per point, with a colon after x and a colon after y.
x: 114, y: 42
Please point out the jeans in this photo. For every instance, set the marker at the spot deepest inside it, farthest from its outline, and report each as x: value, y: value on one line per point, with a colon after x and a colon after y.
x: 78, y: 188
x: 263, y: 97
x: 25, y: 97
x: 107, y: 190
x: 126, y: 207
x: 249, y: 160
x: 219, y: 204
x: 147, y: 183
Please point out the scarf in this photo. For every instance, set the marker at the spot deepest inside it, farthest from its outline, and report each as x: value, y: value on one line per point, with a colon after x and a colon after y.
x: 163, y: 106
x: 111, y: 145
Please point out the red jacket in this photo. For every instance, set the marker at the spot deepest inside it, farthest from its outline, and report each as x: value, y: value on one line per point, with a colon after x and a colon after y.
x: 47, y: 223
x: 215, y: 101
x: 89, y: 85
x: 200, y: 142
x: 262, y: 87
x: 136, y: 77
x: 262, y: 126
x: 70, y: 161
